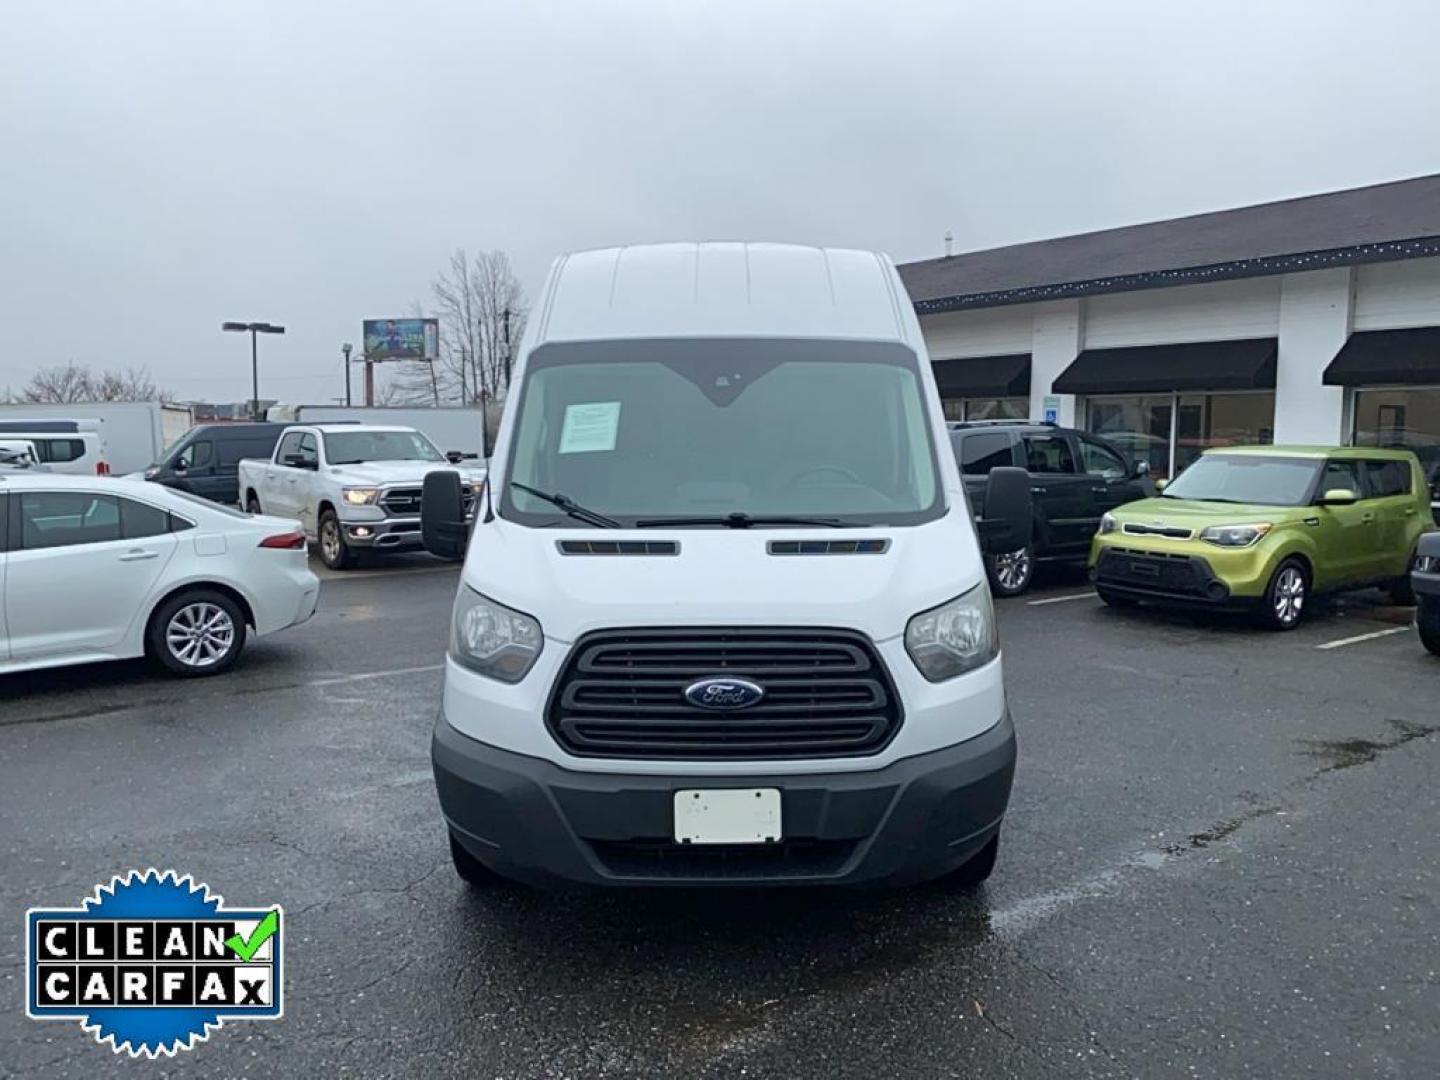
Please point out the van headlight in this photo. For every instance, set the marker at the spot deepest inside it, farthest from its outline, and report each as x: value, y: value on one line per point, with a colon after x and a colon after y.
x: 1234, y: 536
x: 493, y: 639
x: 956, y: 637
x: 1107, y: 523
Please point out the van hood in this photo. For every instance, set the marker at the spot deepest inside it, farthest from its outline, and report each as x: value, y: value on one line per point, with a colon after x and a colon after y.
x: 725, y: 577
x: 401, y: 472
x: 1196, y: 513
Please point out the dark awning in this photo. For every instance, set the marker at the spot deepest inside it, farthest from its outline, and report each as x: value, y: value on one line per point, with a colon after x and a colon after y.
x: 1375, y: 357
x: 1194, y: 365
x: 984, y: 376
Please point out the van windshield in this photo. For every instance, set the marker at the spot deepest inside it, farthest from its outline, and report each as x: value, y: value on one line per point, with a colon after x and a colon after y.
x: 704, y: 429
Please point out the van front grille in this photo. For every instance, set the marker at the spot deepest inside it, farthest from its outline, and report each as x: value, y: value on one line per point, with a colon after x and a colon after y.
x: 622, y: 695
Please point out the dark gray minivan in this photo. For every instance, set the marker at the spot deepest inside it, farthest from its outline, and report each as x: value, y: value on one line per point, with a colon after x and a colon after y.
x: 204, y: 461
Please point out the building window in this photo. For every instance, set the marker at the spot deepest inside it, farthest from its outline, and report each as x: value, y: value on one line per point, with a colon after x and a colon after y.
x: 1169, y: 431
x: 986, y: 408
x: 1408, y: 418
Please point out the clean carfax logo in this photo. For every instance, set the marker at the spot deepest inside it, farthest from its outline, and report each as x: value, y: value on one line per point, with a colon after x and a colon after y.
x: 153, y: 962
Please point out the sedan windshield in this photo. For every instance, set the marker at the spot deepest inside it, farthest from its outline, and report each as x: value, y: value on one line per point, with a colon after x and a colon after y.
x: 353, y: 447
x: 1261, y: 481
x: 723, y: 434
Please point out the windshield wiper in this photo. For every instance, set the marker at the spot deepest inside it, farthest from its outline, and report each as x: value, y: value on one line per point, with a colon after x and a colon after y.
x: 739, y: 521
x: 570, y: 506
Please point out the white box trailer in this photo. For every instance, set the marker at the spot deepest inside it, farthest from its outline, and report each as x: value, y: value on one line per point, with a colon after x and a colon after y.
x: 133, y: 434
x: 449, y: 428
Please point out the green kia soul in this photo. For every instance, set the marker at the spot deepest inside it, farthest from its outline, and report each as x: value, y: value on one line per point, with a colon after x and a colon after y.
x: 1265, y: 527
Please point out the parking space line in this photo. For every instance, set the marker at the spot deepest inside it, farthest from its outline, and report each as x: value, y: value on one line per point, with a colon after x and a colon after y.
x: 1061, y: 599
x: 358, y: 676
x: 1364, y: 637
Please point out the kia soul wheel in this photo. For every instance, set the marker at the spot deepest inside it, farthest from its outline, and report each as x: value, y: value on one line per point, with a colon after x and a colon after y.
x: 1284, y: 601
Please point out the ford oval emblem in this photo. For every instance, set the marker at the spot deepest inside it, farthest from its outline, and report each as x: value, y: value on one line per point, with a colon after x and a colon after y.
x: 719, y: 693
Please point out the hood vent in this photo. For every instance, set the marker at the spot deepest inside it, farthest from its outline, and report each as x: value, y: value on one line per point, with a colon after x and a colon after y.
x: 618, y: 547
x: 828, y: 547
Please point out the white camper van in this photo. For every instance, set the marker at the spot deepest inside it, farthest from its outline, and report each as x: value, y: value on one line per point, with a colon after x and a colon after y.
x: 724, y: 619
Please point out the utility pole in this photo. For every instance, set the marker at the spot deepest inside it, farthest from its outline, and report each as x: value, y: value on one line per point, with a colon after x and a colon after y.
x: 345, y: 352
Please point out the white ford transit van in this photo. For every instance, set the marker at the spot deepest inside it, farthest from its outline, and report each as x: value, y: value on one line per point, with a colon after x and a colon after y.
x: 723, y: 618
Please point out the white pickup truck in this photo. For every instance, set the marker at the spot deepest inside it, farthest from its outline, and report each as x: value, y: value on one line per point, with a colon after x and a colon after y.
x: 353, y: 487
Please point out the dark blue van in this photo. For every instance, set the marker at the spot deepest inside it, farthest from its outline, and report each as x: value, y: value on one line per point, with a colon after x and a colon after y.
x: 204, y: 461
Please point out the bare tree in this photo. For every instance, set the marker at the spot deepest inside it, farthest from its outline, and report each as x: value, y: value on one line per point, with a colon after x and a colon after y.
x: 482, y: 310
x: 64, y: 384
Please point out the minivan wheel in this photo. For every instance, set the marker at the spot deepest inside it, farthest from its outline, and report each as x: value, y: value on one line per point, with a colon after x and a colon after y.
x: 1010, y: 572
x: 1427, y: 620
x: 471, y: 870
x: 334, y: 552
x: 196, y: 632
x: 1284, y: 601
x: 979, y: 868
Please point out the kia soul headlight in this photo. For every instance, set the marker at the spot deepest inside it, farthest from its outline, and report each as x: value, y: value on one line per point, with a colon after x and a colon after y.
x: 493, y: 639
x: 1108, y: 524
x: 1233, y: 536
x: 956, y: 637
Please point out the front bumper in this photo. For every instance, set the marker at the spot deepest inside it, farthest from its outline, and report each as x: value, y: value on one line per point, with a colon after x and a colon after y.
x: 1172, y: 577
x: 534, y: 821
x: 391, y: 534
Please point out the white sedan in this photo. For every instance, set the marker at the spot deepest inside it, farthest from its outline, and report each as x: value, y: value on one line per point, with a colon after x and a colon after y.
x: 98, y: 568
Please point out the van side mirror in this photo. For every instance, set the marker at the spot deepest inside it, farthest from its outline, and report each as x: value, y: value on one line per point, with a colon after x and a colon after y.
x: 1339, y: 497
x: 1008, y: 518
x: 443, y: 531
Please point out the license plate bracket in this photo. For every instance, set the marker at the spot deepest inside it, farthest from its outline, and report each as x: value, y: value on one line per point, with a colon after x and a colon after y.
x: 727, y: 816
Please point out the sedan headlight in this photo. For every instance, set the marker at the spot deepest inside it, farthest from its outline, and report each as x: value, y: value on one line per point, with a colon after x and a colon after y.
x: 956, y: 637
x: 1107, y: 523
x: 360, y: 496
x: 493, y: 639
x: 1234, y: 536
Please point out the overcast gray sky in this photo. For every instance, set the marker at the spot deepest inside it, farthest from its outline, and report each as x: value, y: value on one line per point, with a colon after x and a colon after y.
x: 167, y: 166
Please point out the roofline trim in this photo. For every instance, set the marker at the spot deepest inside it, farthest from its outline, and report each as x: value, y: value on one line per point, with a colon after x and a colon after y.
x: 1267, y: 266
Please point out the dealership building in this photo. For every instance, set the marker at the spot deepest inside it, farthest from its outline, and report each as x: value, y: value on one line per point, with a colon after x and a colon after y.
x: 1312, y: 320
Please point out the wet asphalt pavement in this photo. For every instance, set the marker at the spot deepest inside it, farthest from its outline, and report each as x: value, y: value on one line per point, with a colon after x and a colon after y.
x: 1221, y: 860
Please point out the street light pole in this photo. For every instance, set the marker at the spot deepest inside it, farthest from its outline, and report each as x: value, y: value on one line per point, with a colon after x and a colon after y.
x: 345, y: 351
x: 253, y: 328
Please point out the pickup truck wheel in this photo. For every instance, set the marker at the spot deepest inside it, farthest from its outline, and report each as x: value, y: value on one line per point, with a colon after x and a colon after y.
x: 1427, y: 619
x: 334, y: 552
x: 471, y: 870
x: 252, y: 504
x: 196, y: 632
x: 979, y: 868
x: 1010, y: 572
x: 1285, y: 596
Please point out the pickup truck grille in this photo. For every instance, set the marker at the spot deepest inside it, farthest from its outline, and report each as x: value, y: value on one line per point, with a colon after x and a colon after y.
x: 405, y: 502
x: 622, y: 695
x: 401, y: 502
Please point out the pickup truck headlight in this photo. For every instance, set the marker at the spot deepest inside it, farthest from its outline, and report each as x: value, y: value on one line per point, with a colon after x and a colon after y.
x: 956, y: 637
x: 360, y: 496
x: 1107, y: 523
x: 493, y: 639
x: 1234, y: 536
x: 1427, y: 564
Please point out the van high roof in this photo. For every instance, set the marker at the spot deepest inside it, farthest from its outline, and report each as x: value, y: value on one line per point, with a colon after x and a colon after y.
x: 724, y: 290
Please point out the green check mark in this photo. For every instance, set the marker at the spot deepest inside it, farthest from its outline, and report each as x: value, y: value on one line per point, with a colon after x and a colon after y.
x: 244, y: 948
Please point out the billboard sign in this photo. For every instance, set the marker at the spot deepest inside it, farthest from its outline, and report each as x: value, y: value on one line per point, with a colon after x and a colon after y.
x: 401, y: 339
